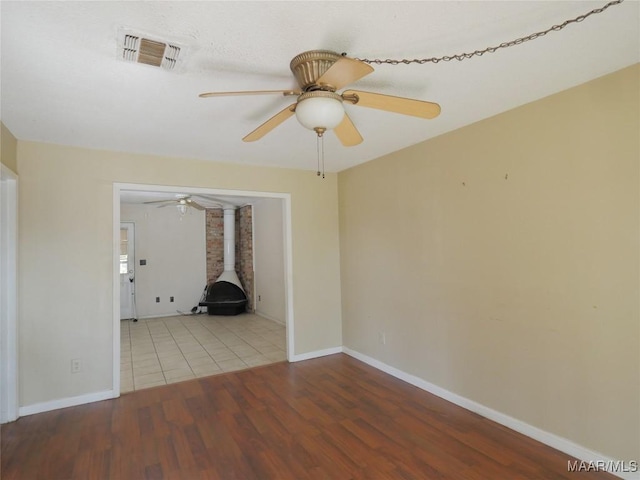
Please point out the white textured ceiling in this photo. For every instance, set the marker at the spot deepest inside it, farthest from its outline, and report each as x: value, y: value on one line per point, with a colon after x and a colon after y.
x: 61, y: 80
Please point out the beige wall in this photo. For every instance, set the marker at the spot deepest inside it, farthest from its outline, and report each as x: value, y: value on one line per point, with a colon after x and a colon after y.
x: 501, y: 260
x: 66, y: 256
x: 8, y: 148
x: 269, y: 259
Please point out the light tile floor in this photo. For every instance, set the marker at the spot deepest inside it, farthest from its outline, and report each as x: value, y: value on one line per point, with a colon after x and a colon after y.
x: 159, y: 351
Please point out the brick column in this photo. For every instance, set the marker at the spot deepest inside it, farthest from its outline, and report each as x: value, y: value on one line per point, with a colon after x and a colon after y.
x: 215, y: 245
x: 244, y: 252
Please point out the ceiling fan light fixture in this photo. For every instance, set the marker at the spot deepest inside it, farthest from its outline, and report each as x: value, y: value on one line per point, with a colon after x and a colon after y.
x: 182, y: 208
x: 319, y: 110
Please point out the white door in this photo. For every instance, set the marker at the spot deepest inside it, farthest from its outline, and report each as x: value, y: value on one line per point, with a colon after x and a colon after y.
x: 127, y: 271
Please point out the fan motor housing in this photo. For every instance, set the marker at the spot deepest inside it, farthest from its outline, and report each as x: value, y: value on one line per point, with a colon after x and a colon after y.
x: 309, y: 66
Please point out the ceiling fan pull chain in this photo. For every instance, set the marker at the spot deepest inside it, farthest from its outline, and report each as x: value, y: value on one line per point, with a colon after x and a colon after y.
x: 479, y: 53
x: 322, y: 148
x: 318, y: 152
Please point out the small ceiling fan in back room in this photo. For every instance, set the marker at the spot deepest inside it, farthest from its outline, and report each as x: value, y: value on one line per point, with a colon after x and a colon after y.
x: 182, y: 202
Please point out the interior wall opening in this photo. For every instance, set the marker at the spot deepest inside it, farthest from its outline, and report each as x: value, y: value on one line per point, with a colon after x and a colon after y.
x: 172, y: 337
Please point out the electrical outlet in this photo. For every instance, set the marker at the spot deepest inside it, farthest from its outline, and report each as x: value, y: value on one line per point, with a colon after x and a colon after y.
x: 170, y: 299
x: 157, y: 299
x: 259, y: 298
x: 75, y: 365
x: 382, y: 338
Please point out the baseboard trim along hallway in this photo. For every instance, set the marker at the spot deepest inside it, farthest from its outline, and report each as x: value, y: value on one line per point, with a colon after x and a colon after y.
x: 562, y: 444
x: 65, y: 402
x: 550, y: 439
x: 333, y: 417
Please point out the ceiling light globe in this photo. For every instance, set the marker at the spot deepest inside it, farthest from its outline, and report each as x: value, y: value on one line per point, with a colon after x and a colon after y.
x: 319, y: 110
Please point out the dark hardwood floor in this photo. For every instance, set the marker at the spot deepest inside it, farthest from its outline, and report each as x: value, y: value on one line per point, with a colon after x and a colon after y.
x: 329, y: 418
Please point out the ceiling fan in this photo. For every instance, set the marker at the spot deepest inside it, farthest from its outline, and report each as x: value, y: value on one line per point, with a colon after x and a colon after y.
x: 181, y: 201
x: 320, y: 73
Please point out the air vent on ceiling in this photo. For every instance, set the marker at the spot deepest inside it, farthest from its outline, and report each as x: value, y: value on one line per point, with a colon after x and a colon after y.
x: 136, y: 48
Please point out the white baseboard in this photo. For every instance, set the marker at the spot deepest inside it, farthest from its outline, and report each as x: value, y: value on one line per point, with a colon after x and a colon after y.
x: 315, y: 354
x: 66, y: 402
x: 268, y: 317
x: 159, y: 315
x: 550, y: 439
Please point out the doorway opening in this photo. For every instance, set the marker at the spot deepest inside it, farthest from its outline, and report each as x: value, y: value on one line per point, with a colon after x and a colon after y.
x: 141, y: 204
x: 127, y: 276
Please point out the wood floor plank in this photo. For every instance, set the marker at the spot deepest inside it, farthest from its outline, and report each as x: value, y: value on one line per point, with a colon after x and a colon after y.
x: 328, y: 458
x: 322, y: 419
x: 153, y: 472
x: 343, y: 439
x: 168, y: 456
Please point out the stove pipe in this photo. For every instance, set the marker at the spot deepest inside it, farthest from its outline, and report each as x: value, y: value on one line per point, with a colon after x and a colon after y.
x: 229, y: 274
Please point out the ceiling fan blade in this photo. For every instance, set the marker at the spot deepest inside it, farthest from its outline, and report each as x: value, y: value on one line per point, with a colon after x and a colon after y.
x: 161, y: 201
x: 405, y: 106
x: 347, y: 132
x: 343, y: 72
x: 270, y: 124
x: 195, y: 205
x: 210, y: 201
x: 250, y: 92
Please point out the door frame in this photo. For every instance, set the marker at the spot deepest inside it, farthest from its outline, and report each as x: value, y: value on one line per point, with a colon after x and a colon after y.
x: 132, y: 261
x: 288, y: 256
x: 8, y: 295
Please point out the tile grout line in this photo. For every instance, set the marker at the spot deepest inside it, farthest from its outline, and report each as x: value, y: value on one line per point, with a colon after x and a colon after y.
x: 181, y: 352
x: 245, y: 332
x: 157, y: 358
x: 221, y: 341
